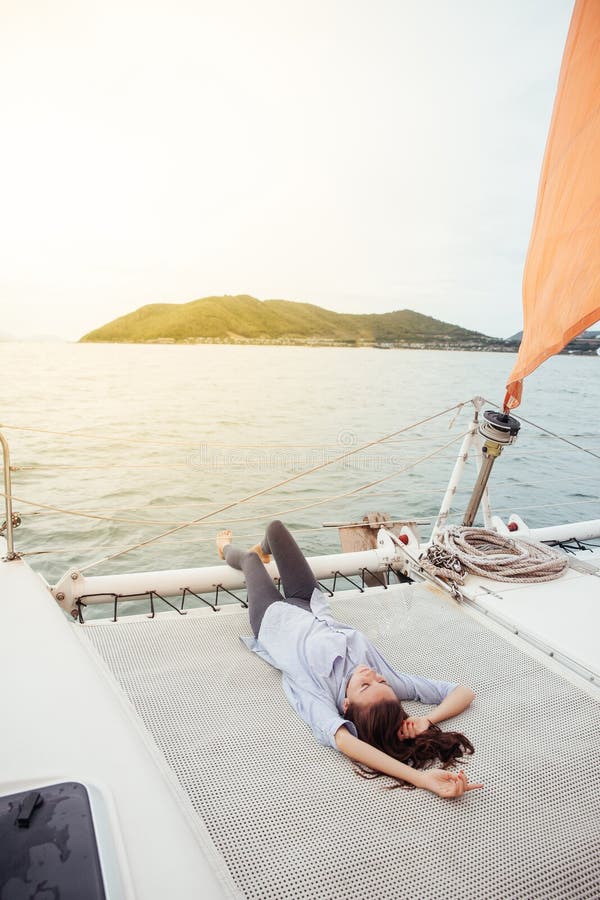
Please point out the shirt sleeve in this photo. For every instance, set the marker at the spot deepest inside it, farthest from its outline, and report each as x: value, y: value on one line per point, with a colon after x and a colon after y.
x: 416, y: 687
x: 318, y: 711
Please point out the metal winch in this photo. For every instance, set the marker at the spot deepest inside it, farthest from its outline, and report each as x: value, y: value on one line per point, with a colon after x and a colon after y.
x: 499, y: 430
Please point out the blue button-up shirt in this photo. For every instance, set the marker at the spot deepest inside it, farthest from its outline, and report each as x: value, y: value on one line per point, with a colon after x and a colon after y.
x: 317, y: 655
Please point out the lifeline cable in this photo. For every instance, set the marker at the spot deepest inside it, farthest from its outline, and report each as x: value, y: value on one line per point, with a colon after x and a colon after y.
x: 272, y: 487
x: 259, y: 516
x: 551, y: 433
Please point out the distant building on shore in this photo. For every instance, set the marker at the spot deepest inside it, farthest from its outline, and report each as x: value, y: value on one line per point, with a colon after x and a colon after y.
x: 588, y: 342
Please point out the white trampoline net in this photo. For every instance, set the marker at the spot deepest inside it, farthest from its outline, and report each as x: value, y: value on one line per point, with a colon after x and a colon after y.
x: 290, y: 817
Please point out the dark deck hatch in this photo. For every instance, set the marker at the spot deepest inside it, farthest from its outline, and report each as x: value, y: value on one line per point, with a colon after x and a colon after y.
x: 48, y: 845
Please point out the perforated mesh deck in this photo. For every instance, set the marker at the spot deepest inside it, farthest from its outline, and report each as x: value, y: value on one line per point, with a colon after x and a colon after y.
x: 293, y: 821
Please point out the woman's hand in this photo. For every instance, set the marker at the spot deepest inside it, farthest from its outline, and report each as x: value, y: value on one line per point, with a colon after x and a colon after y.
x: 413, y: 726
x: 446, y: 784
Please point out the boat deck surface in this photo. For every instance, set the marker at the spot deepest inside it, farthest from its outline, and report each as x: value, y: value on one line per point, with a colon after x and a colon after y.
x: 561, y: 616
x: 290, y: 817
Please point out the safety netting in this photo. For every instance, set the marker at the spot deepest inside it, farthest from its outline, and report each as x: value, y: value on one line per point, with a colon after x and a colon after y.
x: 290, y: 817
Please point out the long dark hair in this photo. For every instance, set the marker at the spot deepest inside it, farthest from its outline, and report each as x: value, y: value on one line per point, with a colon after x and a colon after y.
x: 378, y: 725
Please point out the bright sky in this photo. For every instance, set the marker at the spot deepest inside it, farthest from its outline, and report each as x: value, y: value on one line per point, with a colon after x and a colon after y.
x: 363, y: 156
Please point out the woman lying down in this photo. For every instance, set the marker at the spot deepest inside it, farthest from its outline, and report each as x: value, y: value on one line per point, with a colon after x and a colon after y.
x: 337, y: 680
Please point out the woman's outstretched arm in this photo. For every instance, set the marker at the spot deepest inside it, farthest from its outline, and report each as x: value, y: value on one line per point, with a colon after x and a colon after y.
x: 456, y: 702
x: 444, y: 784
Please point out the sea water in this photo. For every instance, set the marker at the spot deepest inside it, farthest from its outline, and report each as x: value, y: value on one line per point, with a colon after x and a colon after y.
x: 138, y: 439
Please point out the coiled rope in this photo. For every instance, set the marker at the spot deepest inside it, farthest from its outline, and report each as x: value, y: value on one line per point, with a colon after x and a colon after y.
x: 481, y: 551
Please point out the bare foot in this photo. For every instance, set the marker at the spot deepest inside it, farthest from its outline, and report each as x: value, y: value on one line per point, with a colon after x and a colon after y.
x: 265, y: 557
x: 223, y: 538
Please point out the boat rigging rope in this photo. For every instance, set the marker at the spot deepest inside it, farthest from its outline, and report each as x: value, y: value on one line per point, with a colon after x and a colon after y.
x: 255, y: 518
x: 158, y: 507
x: 551, y: 433
x: 272, y: 487
x: 481, y: 551
x: 181, y: 525
x: 196, y: 541
x: 193, y: 445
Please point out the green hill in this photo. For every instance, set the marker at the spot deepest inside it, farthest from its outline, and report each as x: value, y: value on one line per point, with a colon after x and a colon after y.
x: 244, y: 319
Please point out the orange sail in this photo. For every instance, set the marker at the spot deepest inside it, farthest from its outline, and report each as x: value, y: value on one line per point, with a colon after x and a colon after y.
x: 561, y: 281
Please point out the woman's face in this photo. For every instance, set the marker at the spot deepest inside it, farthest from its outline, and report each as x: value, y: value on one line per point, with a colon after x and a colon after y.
x: 367, y: 686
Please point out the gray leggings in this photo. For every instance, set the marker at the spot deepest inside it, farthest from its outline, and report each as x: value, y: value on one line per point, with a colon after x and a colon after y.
x: 297, y: 579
